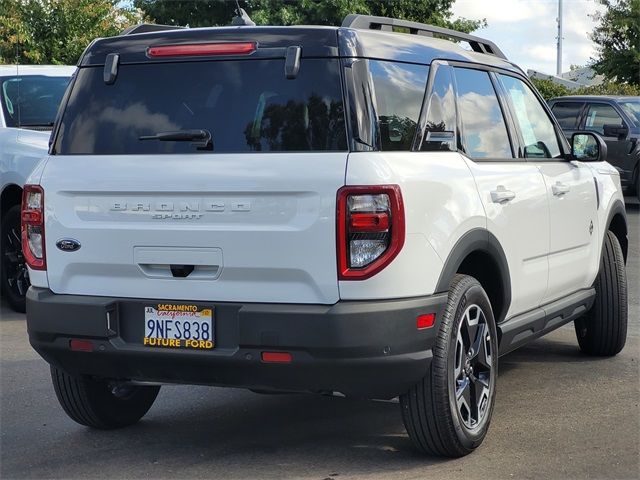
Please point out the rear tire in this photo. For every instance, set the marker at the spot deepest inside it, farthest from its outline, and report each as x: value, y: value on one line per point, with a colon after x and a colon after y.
x: 14, y: 277
x: 449, y: 411
x: 602, y: 331
x: 100, y: 403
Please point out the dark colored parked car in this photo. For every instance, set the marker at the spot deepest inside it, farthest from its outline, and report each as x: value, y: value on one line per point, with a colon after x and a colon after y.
x: 617, y: 119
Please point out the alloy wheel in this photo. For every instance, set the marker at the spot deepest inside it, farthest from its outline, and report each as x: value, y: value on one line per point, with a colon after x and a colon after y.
x: 473, y: 364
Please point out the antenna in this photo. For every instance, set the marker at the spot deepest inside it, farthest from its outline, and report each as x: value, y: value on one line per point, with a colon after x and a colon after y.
x: 18, y: 82
x: 241, y: 18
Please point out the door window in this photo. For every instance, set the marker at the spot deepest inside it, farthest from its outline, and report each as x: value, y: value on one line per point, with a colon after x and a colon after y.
x: 440, y: 128
x: 537, y: 129
x: 567, y: 114
x: 600, y: 114
x: 399, y: 92
x: 484, y: 133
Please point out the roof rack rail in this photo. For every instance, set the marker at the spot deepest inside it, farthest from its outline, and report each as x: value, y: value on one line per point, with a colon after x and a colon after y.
x: 369, y: 22
x: 146, y: 28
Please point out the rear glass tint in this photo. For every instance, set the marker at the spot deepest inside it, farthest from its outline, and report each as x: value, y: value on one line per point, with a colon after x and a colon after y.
x: 246, y: 105
x: 399, y: 90
x: 31, y: 100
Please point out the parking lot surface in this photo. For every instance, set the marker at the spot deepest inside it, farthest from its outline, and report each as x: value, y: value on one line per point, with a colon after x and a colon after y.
x: 558, y: 414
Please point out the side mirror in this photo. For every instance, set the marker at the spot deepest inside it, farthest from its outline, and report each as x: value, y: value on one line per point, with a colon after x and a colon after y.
x: 588, y: 147
x: 618, y: 131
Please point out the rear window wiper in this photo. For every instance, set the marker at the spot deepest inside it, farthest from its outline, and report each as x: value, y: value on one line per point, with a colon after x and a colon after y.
x: 200, y: 138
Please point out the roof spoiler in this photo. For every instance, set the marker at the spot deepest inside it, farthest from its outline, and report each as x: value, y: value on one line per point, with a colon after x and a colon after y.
x: 147, y: 27
x: 369, y: 22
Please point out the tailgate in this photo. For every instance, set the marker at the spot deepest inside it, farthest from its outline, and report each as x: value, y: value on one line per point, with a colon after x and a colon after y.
x: 254, y: 228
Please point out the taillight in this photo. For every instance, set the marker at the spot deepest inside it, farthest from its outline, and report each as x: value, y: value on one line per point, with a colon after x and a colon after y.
x: 33, y: 227
x: 199, y: 49
x: 370, y: 229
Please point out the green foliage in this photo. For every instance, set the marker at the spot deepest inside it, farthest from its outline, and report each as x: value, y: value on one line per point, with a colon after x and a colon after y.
x: 617, y: 37
x: 549, y: 89
x: 57, y: 31
x: 200, y: 13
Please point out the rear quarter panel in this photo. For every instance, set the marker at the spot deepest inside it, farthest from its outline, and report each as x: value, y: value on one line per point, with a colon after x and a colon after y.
x: 441, y: 204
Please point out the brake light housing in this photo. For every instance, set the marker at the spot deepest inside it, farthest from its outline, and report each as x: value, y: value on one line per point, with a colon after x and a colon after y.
x: 32, y: 219
x: 202, y: 49
x: 370, y: 229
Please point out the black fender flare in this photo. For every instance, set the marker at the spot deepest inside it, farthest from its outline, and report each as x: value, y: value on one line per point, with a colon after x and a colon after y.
x: 617, y: 208
x: 482, y: 240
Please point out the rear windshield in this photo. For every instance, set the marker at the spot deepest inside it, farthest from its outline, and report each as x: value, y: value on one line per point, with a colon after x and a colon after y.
x: 31, y: 100
x: 246, y: 105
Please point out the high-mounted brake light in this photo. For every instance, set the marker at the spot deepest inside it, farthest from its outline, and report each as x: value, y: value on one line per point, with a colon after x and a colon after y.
x: 370, y: 229
x: 200, y: 49
x: 32, y: 216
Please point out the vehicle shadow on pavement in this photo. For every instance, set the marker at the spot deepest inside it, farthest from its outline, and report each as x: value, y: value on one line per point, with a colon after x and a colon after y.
x: 233, y: 428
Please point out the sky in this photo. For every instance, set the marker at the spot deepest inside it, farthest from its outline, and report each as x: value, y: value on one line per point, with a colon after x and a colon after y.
x: 526, y: 30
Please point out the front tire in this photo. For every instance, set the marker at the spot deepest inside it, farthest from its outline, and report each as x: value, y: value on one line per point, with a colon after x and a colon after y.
x: 602, y: 331
x: 100, y: 403
x: 449, y: 411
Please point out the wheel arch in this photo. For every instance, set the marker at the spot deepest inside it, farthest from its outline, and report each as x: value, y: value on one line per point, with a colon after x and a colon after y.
x: 11, y: 195
x: 478, y: 253
x: 617, y: 224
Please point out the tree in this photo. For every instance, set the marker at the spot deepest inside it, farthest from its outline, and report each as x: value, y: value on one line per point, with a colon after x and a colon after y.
x: 199, y: 13
x: 57, y: 31
x: 549, y: 89
x: 618, y: 40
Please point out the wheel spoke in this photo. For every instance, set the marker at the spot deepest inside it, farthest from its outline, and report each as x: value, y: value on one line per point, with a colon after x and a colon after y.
x: 472, y: 366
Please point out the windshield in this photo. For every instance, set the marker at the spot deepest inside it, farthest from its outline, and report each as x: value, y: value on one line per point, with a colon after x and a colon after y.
x: 632, y: 109
x: 31, y: 100
x: 244, y: 105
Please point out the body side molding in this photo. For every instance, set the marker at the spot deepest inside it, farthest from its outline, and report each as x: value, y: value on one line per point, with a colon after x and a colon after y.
x: 522, y: 329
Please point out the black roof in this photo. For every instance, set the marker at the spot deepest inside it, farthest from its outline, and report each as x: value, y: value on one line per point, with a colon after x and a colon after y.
x: 316, y: 41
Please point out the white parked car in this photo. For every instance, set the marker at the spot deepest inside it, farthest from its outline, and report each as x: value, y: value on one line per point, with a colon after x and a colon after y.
x: 317, y: 209
x: 29, y: 99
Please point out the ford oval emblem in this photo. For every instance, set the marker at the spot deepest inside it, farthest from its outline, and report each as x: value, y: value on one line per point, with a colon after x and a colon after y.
x: 68, y: 244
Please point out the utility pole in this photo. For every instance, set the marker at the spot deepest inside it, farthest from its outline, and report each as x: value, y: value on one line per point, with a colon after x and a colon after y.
x: 559, y: 54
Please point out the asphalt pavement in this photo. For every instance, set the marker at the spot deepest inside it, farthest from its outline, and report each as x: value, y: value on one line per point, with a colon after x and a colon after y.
x: 558, y: 414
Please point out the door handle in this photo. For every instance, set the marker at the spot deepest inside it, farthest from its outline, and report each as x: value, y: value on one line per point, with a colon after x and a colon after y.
x: 560, y: 189
x: 502, y: 195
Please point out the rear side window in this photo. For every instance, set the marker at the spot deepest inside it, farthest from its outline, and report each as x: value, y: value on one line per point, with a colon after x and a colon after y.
x: 399, y: 92
x: 567, y: 114
x: 440, y: 128
x: 246, y: 105
x: 600, y: 114
x: 484, y: 132
x: 538, y: 132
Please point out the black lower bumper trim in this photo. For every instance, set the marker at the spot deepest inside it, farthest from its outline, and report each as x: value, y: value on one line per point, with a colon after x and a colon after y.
x: 359, y: 348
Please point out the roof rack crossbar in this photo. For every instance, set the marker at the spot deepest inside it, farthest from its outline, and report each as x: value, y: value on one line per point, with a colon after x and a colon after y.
x: 370, y: 22
x: 146, y: 28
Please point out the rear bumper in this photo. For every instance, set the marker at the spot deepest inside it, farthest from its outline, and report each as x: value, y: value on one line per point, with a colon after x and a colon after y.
x: 366, y: 348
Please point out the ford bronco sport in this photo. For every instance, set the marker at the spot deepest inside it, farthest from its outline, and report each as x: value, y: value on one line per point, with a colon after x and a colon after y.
x: 367, y: 210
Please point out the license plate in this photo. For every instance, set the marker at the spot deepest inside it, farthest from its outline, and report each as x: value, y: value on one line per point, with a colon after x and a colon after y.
x: 172, y: 325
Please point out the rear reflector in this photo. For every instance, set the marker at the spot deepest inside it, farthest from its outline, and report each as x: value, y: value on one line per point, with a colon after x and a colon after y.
x: 236, y: 48
x: 81, y: 345
x: 277, y: 357
x: 426, y: 321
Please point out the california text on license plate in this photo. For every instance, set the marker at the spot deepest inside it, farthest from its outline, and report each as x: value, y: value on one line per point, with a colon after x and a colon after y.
x: 178, y: 326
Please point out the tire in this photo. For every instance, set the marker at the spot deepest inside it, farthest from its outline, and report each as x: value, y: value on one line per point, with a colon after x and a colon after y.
x: 602, y: 331
x: 100, y: 403
x: 14, y: 276
x: 435, y: 421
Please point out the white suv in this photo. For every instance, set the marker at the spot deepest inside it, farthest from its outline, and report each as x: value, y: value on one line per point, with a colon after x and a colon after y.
x: 335, y: 210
